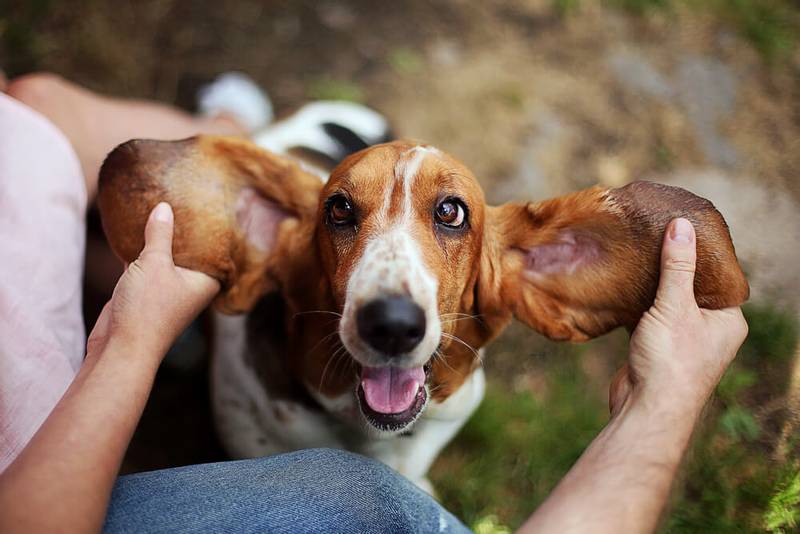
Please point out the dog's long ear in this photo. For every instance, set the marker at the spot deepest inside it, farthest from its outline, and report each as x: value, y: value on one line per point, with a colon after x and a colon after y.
x: 580, y: 265
x: 238, y: 209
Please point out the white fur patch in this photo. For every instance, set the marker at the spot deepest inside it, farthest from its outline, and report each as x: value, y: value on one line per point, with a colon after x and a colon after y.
x: 237, y: 94
x: 391, y: 265
x: 305, y: 128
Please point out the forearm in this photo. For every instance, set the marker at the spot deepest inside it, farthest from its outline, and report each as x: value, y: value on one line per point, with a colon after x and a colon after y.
x: 622, y: 481
x: 63, y: 478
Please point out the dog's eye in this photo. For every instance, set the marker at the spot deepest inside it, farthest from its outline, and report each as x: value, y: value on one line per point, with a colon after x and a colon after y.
x: 340, y: 210
x: 450, y: 212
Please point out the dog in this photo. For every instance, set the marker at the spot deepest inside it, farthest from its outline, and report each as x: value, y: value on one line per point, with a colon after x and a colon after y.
x: 355, y: 310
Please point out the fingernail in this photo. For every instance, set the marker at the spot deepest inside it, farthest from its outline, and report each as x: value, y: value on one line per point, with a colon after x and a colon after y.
x: 163, y: 212
x: 681, y: 231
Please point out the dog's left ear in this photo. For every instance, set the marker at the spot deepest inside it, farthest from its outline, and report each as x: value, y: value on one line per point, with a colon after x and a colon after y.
x: 577, y: 266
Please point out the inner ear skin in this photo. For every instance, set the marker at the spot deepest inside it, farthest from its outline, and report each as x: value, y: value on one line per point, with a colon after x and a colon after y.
x: 581, y: 265
x: 259, y: 219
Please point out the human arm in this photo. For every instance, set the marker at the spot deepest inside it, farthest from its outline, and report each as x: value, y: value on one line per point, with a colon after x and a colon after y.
x: 63, y: 478
x: 678, y: 354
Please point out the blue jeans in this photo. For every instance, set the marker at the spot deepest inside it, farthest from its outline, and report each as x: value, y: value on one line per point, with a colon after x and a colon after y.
x: 315, y: 490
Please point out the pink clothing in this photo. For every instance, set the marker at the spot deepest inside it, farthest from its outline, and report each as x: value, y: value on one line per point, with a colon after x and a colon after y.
x: 42, y: 234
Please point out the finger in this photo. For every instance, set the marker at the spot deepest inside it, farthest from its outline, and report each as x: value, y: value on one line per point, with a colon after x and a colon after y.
x: 678, y: 259
x: 159, y: 229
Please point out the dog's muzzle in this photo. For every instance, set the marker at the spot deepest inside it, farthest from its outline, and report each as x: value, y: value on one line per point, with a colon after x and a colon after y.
x: 392, y: 396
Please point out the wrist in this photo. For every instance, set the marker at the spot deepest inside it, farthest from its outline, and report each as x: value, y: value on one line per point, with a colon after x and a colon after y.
x: 656, y: 429
x: 679, y: 387
x: 673, y: 406
x: 135, y: 354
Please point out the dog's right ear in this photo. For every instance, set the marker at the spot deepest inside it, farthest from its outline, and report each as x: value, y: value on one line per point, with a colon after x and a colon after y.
x: 239, y: 210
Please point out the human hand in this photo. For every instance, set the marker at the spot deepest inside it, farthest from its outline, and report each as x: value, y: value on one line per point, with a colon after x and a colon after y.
x: 678, y: 352
x: 154, y: 300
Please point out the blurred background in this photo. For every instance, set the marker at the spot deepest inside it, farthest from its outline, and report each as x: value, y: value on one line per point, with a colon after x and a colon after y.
x: 539, y: 98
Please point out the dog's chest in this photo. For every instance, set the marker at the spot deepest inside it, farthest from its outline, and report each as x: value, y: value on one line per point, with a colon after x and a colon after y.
x: 251, y: 419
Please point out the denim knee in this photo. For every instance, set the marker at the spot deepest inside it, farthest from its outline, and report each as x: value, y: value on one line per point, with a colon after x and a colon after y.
x: 315, y: 490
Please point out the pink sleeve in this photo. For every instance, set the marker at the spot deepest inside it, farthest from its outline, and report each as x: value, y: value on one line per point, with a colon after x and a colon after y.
x: 42, y: 233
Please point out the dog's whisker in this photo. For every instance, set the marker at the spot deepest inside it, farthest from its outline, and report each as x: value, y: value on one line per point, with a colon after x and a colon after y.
x: 341, y: 356
x: 323, y: 340
x: 334, y: 357
x: 438, y: 356
x: 459, y: 340
x: 451, y: 321
x: 454, y: 317
x: 435, y: 388
x: 458, y: 314
x: 324, y: 370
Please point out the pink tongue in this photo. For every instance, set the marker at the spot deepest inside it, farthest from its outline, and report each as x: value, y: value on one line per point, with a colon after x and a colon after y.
x: 390, y: 389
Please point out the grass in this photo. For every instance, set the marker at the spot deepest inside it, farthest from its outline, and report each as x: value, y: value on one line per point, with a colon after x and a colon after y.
x: 783, y: 511
x: 405, y: 60
x: 521, y: 442
x: 334, y: 89
x: 517, y: 447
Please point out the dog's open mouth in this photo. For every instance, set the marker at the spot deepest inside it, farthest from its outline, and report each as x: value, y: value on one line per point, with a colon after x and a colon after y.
x: 391, y: 398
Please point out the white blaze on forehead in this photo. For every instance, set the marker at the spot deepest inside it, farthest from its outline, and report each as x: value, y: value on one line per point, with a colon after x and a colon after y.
x: 405, y: 171
x: 392, y: 264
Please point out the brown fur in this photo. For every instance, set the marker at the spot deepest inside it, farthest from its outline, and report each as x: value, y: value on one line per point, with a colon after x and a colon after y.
x: 503, y: 266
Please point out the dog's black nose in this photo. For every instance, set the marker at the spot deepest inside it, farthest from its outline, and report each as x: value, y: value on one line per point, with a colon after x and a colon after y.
x: 391, y: 325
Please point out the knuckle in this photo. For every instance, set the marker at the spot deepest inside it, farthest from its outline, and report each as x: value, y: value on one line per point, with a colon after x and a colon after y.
x: 686, y: 265
x: 156, y: 257
x: 137, y: 266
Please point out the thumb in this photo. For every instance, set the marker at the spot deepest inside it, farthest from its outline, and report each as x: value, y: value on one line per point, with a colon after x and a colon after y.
x: 159, y: 229
x: 678, y: 259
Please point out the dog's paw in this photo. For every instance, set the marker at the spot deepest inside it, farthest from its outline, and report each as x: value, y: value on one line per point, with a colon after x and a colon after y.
x: 334, y: 129
x: 236, y: 94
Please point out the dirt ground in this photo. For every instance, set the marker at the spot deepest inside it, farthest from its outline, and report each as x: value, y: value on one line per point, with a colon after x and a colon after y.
x: 535, y: 102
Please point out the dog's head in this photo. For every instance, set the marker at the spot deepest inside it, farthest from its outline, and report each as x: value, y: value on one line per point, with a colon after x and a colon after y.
x: 401, y: 244
x: 399, y: 231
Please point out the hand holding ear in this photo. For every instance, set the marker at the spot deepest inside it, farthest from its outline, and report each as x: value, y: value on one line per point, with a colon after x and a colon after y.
x: 154, y: 300
x: 678, y: 351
